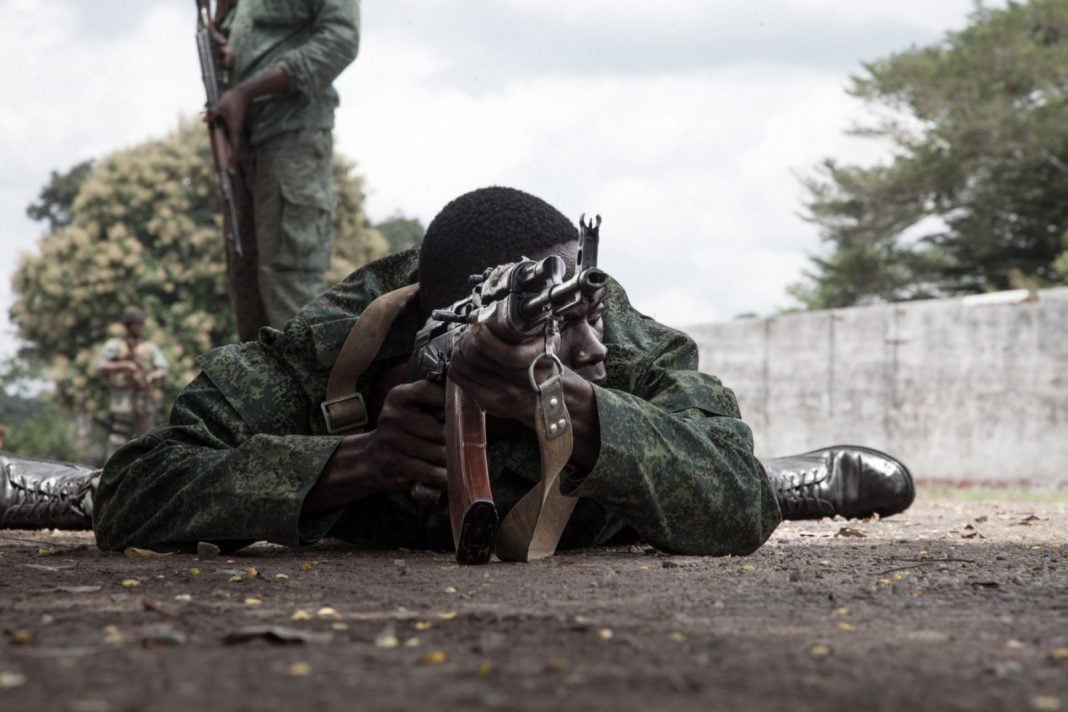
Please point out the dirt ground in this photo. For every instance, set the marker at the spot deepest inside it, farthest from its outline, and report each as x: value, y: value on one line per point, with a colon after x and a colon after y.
x: 960, y: 604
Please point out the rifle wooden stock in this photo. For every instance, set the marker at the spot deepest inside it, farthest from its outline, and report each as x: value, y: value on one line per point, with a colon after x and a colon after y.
x: 471, y: 510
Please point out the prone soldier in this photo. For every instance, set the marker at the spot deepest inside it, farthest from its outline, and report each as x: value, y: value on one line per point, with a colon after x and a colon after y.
x: 659, y: 451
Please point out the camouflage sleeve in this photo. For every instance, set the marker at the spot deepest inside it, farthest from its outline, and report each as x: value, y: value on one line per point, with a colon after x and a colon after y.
x: 676, y: 462
x: 332, y: 45
x: 208, y: 476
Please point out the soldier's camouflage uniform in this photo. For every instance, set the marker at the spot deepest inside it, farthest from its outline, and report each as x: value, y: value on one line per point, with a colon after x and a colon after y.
x: 283, y: 186
x: 245, y: 443
x: 133, y: 404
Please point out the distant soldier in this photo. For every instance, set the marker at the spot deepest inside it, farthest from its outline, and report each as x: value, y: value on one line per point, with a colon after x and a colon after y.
x: 3, y: 432
x: 134, y: 369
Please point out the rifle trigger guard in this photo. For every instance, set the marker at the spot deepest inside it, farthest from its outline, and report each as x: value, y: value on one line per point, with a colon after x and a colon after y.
x: 534, y: 385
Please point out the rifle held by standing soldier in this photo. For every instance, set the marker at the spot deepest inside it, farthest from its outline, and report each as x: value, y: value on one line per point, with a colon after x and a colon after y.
x: 213, y: 75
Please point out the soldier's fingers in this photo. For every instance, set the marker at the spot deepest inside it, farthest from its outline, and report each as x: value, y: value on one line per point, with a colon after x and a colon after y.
x: 476, y: 382
x: 402, y: 425
x: 423, y: 493
x: 427, y: 427
x: 395, y: 453
x: 424, y: 473
x: 419, y: 395
x: 425, y: 452
x: 483, y: 349
x: 436, y: 477
x: 499, y: 398
x: 414, y: 409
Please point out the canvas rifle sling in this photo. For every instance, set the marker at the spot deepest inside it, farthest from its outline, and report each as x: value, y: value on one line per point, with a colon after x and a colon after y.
x: 532, y: 529
x: 344, y: 409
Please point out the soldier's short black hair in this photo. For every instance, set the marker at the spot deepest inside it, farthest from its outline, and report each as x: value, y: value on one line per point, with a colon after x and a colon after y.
x: 481, y: 229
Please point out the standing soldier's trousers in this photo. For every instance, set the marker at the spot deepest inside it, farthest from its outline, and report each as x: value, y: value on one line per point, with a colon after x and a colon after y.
x: 284, y: 202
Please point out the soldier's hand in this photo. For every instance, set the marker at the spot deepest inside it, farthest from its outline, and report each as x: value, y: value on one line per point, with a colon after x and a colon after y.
x: 223, y: 48
x: 496, y: 374
x: 408, y: 444
x: 231, y: 109
x: 407, y: 448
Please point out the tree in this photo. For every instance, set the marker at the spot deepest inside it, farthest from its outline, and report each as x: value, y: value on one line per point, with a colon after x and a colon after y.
x: 401, y: 232
x: 55, y: 203
x: 973, y: 197
x: 356, y: 242
x: 145, y: 229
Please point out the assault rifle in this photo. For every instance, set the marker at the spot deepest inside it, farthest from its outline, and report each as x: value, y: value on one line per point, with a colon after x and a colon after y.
x: 517, y: 302
x: 207, y: 50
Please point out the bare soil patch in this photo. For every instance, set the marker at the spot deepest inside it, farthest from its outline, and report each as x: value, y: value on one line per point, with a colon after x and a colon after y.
x: 956, y: 605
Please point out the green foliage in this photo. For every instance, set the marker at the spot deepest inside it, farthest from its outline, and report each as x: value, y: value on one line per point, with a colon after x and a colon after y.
x: 56, y: 201
x: 401, y: 232
x: 1061, y: 266
x: 973, y: 196
x: 355, y: 242
x: 36, y: 428
x: 145, y: 230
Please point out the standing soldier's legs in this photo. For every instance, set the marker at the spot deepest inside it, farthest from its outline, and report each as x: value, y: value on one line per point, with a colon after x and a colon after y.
x: 242, y: 272
x: 120, y: 430
x: 120, y: 418
x: 293, y: 202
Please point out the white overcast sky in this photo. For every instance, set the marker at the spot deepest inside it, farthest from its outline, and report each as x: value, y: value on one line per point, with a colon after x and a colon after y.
x: 682, y: 122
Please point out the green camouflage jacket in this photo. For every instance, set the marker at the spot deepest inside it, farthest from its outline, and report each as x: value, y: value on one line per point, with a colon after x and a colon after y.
x: 246, y: 441
x: 312, y: 40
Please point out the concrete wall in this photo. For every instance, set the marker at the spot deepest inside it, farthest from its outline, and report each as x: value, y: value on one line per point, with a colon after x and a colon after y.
x: 972, y: 389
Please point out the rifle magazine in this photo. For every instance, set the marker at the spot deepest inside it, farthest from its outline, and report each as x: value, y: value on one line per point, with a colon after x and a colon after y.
x: 477, y: 533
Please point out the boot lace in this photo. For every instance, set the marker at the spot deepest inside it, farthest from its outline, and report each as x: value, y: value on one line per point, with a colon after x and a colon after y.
x: 45, y: 498
x: 800, y: 495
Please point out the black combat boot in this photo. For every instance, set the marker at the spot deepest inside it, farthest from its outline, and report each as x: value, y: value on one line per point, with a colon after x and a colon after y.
x: 38, y: 494
x: 847, y: 480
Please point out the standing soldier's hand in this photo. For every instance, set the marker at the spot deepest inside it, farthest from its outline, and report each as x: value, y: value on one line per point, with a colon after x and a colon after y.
x: 231, y: 109
x: 223, y: 48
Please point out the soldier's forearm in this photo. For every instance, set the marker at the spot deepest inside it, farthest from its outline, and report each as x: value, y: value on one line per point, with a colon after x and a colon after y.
x: 347, y: 477
x: 109, y: 367
x: 271, y: 81
x: 585, y: 423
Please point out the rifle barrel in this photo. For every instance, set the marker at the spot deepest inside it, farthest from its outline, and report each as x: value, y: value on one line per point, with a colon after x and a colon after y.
x: 583, y: 285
